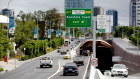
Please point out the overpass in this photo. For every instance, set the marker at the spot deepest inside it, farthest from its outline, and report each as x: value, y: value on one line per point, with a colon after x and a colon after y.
x: 104, y: 52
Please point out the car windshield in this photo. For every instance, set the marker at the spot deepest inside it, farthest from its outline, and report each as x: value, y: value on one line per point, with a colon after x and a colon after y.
x: 119, y: 66
x: 46, y: 58
x: 70, y: 64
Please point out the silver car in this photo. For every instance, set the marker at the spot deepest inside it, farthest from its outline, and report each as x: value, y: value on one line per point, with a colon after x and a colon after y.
x: 119, y: 69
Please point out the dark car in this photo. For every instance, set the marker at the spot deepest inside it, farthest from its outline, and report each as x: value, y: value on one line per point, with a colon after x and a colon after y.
x: 70, y: 69
x: 79, y: 60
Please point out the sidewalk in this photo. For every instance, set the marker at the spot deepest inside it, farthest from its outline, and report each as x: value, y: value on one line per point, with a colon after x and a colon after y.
x: 12, y: 64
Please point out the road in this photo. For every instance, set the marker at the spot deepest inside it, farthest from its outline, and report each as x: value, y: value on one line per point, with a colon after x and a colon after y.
x: 32, y: 70
x: 81, y: 72
x: 127, y: 46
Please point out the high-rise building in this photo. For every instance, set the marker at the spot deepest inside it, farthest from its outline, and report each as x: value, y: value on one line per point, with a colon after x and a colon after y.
x: 134, y: 13
x: 98, y: 11
x: 74, y: 3
x: 7, y: 12
x: 114, y: 13
x: 79, y: 4
x: 89, y: 4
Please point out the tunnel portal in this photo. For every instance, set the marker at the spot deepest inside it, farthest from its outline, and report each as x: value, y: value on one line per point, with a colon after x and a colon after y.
x: 103, y: 53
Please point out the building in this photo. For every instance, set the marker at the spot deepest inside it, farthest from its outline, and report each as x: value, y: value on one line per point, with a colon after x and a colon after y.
x: 104, y: 23
x: 98, y: 11
x: 74, y: 3
x: 87, y: 4
x: 114, y: 13
x: 134, y: 13
x: 7, y: 12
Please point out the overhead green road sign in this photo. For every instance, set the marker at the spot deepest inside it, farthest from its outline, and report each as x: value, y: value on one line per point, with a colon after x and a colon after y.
x: 78, y: 17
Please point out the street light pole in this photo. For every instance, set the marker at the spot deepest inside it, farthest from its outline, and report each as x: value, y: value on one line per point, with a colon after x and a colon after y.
x: 50, y: 28
x: 9, y: 3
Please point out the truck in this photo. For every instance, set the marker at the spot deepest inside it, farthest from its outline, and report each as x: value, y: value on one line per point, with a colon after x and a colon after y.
x: 46, y: 61
x: 79, y: 60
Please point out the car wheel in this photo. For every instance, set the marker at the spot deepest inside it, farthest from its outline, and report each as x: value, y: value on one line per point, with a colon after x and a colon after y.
x: 64, y: 74
x: 51, y: 66
x: 76, y: 74
x: 41, y: 66
x: 112, y: 75
x: 126, y: 76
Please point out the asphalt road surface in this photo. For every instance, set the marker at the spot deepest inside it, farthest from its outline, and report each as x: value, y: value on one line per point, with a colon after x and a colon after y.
x: 82, y: 74
x: 32, y: 70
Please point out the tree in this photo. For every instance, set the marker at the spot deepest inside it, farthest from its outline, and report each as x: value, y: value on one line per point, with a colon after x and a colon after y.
x: 24, y: 31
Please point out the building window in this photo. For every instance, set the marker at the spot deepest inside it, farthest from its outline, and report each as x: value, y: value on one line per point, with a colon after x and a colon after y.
x: 138, y: 13
x: 134, y: 3
x: 138, y: 23
x: 138, y: 6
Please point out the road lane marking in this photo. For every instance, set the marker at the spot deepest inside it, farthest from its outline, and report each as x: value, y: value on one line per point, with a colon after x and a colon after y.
x: 59, y: 69
x: 86, y: 69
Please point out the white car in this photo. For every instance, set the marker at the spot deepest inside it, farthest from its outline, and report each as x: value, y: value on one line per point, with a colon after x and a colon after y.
x: 119, y: 69
x: 46, y: 61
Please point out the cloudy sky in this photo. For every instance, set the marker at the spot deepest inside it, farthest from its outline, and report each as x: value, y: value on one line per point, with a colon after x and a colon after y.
x: 122, y: 6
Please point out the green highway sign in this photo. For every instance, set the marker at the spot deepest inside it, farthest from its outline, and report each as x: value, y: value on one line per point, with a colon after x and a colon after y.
x: 101, y: 30
x: 78, y: 17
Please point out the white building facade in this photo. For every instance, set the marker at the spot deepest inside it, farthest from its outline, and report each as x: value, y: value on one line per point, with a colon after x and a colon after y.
x: 134, y: 13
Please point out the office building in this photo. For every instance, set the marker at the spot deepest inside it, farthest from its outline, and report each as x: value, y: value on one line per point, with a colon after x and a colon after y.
x: 114, y: 13
x: 79, y: 4
x: 134, y: 13
x: 7, y: 12
x: 98, y: 11
x: 74, y: 3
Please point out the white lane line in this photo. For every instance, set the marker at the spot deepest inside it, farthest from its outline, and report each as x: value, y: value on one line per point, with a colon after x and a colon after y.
x: 86, y: 69
x: 59, y: 69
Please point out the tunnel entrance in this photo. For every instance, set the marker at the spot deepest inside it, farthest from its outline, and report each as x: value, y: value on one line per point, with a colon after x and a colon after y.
x: 103, y: 53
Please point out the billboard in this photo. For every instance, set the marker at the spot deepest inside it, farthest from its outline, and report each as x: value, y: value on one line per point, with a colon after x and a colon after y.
x: 11, y: 25
x: 104, y: 23
x: 35, y: 32
x: 58, y: 32
x: 49, y: 33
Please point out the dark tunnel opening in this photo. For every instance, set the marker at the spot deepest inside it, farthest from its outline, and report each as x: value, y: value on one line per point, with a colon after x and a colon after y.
x: 104, y: 54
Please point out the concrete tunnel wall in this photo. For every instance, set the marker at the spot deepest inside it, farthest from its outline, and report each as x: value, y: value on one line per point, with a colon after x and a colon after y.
x: 103, y: 53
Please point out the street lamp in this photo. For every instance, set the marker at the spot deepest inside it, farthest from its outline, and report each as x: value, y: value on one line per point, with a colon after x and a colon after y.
x: 50, y: 28
x: 24, y: 50
x: 137, y: 41
x: 9, y: 3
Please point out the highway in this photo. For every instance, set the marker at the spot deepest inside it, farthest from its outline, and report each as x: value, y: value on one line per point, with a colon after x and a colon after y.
x: 32, y: 70
x: 127, y: 46
x: 82, y: 70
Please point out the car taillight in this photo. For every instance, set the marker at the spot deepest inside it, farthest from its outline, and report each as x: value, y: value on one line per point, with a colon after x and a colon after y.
x: 76, y: 68
x: 64, y: 68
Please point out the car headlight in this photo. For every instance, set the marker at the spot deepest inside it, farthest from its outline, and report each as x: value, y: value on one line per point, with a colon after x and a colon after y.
x: 126, y: 71
x: 113, y: 70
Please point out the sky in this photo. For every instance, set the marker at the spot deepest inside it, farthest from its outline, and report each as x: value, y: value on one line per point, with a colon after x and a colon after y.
x: 122, y: 6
